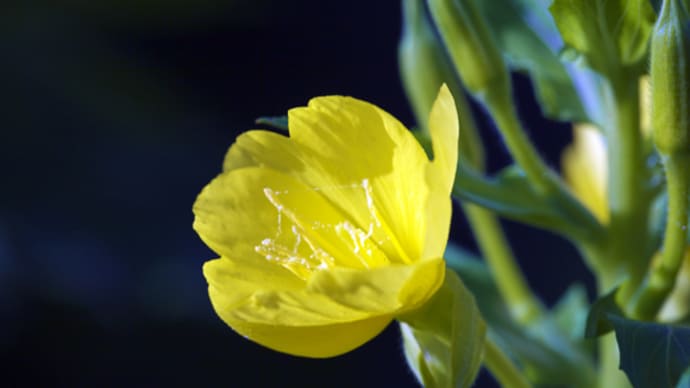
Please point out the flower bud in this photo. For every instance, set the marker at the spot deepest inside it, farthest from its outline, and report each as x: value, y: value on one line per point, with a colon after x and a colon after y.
x: 472, y: 48
x: 670, y: 73
x: 424, y: 67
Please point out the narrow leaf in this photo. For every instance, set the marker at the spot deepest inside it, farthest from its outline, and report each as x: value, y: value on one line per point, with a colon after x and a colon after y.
x: 510, y: 194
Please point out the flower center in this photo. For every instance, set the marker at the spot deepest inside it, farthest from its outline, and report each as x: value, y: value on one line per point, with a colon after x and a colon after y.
x: 306, y: 241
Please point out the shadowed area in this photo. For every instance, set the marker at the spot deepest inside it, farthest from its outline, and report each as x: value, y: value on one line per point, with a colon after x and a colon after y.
x: 114, y: 116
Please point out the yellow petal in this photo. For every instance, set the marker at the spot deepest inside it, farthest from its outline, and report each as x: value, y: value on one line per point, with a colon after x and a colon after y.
x: 298, y: 322
x: 339, y: 311
x: 260, y: 148
x: 257, y: 215
x: 319, y: 341
x: 232, y: 218
x: 381, y: 180
x: 272, y: 304
x: 377, y: 148
x: 391, y: 289
x: 443, y: 126
x: 315, y: 342
x: 238, y: 281
x: 585, y: 169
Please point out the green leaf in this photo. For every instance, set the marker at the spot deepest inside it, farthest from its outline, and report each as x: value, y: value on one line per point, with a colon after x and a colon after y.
x: 444, y: 339
x: 510, y: 194
x: 609, y: 34
x: 277, y: 122
x: 548, y: 354
x: 527, y: 37
x: 652, y: 354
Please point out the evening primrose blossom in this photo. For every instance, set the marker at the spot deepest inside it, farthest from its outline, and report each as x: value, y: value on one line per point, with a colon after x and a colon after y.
x: 327, y: 235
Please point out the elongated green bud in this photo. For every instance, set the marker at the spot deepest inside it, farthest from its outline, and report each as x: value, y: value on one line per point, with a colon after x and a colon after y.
x: 424, y: 67
x: 472, y: 48
x: 670, y: 73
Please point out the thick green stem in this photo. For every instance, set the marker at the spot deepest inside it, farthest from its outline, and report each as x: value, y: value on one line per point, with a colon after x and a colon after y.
x: 502, y: 368
x: 624, y: 251
x: 662, y: 277
x: 523, y: 304
x: 629, y: 204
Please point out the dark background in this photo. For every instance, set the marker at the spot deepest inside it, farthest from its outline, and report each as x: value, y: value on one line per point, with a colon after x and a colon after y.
x: 114, y: 115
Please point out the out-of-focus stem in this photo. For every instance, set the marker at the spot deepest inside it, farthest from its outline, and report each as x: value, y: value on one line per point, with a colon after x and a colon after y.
x: 521, y: 301
x: 521, y: 148
x: 627, y: 252
x: 502, y: 368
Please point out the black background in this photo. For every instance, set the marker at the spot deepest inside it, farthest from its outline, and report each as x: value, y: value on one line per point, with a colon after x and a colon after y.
x: 114, y: 115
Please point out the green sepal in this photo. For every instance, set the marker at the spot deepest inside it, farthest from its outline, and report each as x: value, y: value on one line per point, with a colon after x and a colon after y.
x: 525, y: 32
x: 546, y: 350
x: 444, y: 339
x: 511, y: 195
x: 608, y: 34
x: 277, y: 122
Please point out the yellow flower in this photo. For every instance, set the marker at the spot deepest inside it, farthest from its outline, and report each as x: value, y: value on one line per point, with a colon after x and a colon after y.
x: 585, y: 169
x: 326, y: 236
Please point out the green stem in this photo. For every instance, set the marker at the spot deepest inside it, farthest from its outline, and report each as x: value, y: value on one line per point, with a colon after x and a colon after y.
x: 610, y: 375
x: 523, y: 304
x: 629, y: 205
x: 502, y: 368
x: 624, y: 252
x: 662, y: 278
x: 521, y: 148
